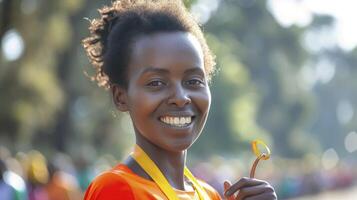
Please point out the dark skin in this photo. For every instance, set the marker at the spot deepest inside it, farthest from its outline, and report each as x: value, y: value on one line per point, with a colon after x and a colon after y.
x: 167, y: 79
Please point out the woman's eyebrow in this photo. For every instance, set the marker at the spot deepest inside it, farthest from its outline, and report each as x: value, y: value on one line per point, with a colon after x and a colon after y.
x: 165, y: 71
x: 155, y: 70
x: 195, y: 70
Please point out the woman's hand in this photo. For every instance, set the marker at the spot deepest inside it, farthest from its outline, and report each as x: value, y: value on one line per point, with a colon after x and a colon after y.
x: 249, y: 189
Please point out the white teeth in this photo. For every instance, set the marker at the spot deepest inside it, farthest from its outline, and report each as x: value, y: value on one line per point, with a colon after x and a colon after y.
x: 176, y: 121
x: 182, y: 120
x: 188, y: 120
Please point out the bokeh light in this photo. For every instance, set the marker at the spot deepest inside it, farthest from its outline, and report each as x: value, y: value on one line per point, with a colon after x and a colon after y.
x: 14, y: 180
x: 351, y: 142
x: 300, y: 13
x: 203, y: 9
x: 329, y: 159
x: 344, y: 112
x: 12, y: 45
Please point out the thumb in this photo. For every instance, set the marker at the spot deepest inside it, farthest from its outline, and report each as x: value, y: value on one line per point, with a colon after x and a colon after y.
x: 226, y: 185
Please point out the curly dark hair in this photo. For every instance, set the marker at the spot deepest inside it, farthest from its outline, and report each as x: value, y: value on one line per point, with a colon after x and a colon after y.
x: 109, y: 45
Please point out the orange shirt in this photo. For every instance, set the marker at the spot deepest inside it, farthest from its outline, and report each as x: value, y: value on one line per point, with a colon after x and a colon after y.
x: 121, y: 183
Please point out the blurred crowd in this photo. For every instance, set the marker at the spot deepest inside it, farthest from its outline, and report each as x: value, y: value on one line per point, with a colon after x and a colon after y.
x: 290, y: 178
x: 32, y: 176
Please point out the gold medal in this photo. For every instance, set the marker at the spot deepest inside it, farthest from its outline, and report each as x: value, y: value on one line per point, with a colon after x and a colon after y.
x: 259, y: 154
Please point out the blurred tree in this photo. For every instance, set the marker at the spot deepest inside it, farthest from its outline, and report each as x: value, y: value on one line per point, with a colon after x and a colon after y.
x: 256, y: 91
x: 332, y: 70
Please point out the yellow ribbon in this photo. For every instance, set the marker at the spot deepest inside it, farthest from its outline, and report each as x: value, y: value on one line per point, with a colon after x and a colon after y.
x: 154, y: 172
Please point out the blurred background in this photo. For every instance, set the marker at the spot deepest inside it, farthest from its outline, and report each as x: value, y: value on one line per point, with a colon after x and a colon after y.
x: 287, y: 75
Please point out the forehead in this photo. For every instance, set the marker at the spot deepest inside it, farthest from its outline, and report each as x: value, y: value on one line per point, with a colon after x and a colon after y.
x: 164, y: 50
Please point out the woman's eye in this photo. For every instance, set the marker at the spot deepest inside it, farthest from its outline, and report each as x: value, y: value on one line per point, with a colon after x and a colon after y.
x: 156, y: 83
x: 195, y: 82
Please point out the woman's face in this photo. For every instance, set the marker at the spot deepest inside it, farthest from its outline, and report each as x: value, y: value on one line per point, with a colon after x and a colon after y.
x: 167, y: 97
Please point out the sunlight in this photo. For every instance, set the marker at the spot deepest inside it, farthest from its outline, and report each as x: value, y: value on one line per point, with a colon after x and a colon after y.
x: 300, y: 12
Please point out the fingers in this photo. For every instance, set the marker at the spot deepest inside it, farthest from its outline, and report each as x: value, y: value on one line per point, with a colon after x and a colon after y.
x: 270, y: 196
x: 243, y: 182
x: 227, y: 184
x: 249, y: 189
x: 254, y: 191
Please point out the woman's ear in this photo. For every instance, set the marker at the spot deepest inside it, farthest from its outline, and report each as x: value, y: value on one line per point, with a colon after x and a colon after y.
x: 120, y: 97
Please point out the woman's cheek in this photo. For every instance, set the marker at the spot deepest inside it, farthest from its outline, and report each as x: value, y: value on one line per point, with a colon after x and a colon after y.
x: 205, y: 101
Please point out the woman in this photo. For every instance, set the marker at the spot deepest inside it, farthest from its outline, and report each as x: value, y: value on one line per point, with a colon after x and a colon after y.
x: 154, y: 59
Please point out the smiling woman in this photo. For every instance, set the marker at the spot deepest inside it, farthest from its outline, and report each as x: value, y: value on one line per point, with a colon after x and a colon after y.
x: 166, y: 85
x: 154, y: 59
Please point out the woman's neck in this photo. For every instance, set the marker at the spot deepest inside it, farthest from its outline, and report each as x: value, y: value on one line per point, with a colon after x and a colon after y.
x: 171, y: 164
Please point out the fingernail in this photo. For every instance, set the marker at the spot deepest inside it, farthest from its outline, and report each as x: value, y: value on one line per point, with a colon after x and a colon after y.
x: 226, y: 184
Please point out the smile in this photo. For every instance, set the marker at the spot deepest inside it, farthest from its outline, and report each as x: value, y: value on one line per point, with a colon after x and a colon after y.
x: 177, y: 121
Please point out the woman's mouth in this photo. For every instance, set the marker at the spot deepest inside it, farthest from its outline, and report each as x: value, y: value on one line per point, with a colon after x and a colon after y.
x: 176, y: 121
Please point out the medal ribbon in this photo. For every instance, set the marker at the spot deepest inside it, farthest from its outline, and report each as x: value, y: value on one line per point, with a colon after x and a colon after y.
x: 154, y: 172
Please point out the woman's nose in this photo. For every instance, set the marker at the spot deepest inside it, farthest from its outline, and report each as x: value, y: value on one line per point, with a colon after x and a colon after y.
x: 179, y: 97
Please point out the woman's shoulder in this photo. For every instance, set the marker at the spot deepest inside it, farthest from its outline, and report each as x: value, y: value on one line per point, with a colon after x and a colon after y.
x: 110, y: 184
